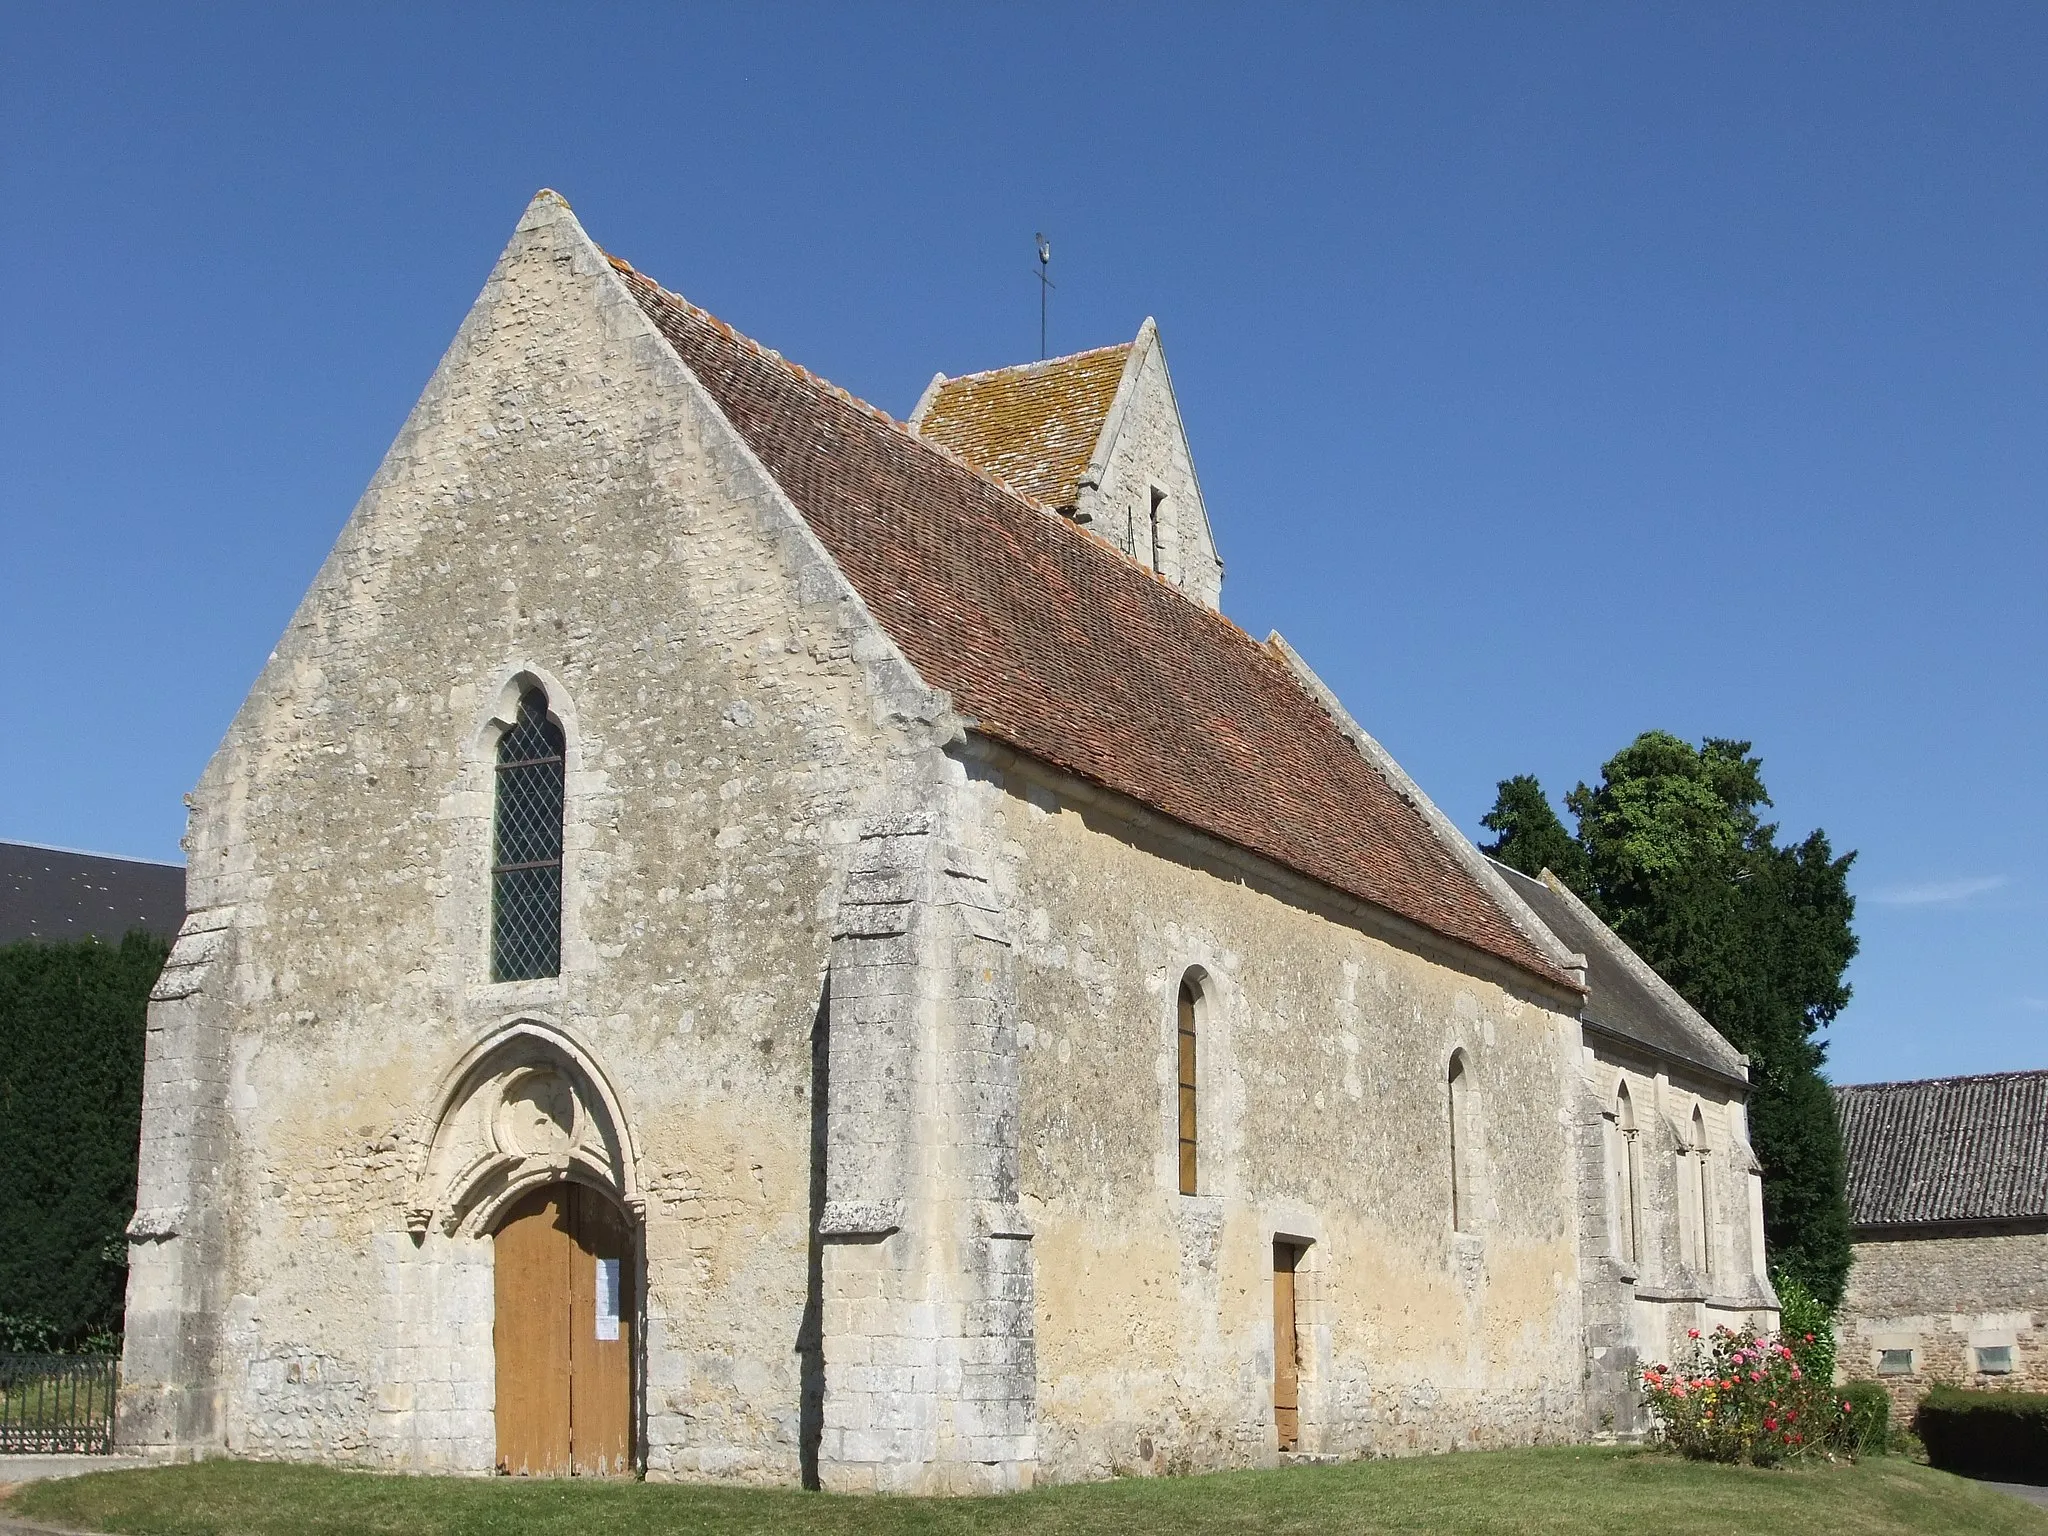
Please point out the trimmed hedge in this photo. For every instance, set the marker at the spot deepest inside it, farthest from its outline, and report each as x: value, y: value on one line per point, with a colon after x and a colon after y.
x: 1985, y: 1434
x: 1867, y: 1429
x: 71, y: 1033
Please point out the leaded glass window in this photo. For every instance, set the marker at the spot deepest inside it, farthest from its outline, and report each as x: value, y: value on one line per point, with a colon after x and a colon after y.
x: 1460, y: 1114
x: 1186, y: 1036
x: 526, y: 847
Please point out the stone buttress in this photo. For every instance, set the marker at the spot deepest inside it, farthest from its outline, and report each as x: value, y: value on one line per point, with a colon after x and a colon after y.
x: 930, y: 1377
x: 170, y: 1398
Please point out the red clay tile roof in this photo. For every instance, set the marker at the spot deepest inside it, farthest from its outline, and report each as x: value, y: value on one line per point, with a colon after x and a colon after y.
x: 1052, y: 641
x: 1032, y: 427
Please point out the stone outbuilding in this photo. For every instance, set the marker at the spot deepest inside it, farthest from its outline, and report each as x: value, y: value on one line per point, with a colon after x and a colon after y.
x: 738, y: 937
x: 1948, y: 1204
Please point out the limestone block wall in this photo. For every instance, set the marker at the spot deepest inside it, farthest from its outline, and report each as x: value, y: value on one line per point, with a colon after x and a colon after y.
x: 1944, y: 1296
x: 563, y: 508
x: 1323, y: 1052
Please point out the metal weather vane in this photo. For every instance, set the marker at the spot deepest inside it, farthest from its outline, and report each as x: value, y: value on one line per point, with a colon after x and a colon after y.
x: 1045, y: 286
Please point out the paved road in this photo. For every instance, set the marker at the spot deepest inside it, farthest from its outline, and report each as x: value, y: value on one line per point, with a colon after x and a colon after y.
x: 2033, y: 1493
x: 33, y: 1469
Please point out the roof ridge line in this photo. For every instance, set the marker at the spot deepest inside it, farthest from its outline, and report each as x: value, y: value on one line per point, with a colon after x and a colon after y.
x: 1928, y: 1082
x: 798, y: 370
x: 619, y: 263
x: 90, y: 853
x: 1043, y: 362
x: 817, y: 381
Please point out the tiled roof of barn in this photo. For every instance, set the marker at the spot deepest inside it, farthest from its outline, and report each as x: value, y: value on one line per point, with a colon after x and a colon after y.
x: 1947, y: 1149
x: 1032, y: 427
x: 1050, y: 640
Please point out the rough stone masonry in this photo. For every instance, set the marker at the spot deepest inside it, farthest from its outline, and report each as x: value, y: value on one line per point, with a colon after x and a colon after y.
x: 876, y: 909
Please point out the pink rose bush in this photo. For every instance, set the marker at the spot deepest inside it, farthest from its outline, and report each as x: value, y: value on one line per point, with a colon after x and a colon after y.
x: 1743, y: 1397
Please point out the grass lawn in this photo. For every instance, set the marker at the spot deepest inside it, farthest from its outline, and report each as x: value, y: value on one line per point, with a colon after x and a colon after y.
x: 1579, y: 1492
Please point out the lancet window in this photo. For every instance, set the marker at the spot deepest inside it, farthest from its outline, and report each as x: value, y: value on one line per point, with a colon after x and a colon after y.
x: 526, y: 846
x: 1460, y: 1150
x: 1190, y: 1002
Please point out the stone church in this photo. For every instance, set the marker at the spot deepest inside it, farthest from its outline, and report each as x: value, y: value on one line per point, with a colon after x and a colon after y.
x: 737, y: 937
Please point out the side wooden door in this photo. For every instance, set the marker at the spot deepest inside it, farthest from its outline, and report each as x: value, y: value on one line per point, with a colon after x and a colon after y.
x: 1286, y: 1357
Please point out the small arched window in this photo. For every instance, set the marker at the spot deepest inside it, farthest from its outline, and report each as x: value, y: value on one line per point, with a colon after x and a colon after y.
x: 1703, y: 1253
x: 1460, y: 1148
x: 526, y: 846
x: 1190, y: 1002
x: 1628, y: 1177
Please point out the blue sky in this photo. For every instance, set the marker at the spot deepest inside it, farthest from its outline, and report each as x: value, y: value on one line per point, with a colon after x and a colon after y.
x: 1553, y: 372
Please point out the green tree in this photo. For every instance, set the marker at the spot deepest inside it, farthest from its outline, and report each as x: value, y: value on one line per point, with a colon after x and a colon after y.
x: 1529, y: 835
x: 71, y: 1033
x: 1754, y: 934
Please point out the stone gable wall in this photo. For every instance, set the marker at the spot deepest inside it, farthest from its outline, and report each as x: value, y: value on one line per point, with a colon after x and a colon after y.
x: 561, y: 507
x: 1151, y: 448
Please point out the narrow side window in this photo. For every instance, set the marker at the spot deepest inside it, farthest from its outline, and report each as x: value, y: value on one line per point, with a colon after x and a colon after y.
x: 1461, y: 1193
x: 526, y: 846
x: 1186, y: 1040
x: 1628, y: 1177
x: 1704, y: 1254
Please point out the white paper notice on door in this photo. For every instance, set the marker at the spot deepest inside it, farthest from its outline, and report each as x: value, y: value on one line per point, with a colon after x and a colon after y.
x: 607, y: 1298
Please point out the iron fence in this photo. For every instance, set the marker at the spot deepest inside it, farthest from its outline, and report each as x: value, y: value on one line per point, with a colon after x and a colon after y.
x: 57, y: 1404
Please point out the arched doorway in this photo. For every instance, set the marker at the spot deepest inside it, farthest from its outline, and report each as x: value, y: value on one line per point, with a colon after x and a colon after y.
x: 564, y: 1335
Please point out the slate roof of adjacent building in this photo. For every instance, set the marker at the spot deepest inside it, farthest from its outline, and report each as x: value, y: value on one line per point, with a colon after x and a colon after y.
x: 59, y: 894
x: 1053, y: 641
x: 1947, y: 1149
x: 1033, y: 427
x: 1624, y: 995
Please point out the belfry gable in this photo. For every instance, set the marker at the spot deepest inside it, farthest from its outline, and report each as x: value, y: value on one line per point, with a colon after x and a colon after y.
x: 1095, y: 436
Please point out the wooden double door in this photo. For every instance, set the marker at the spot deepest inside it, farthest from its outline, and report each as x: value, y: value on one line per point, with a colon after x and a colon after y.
x: 564, y: 1336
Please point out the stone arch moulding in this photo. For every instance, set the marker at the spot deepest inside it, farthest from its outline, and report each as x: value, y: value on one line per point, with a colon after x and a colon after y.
x: 501, y: 709
x: 526, y: 1105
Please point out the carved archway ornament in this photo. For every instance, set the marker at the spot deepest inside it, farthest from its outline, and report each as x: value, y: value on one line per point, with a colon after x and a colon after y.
x: 526, y: 1105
